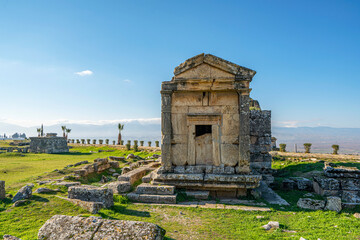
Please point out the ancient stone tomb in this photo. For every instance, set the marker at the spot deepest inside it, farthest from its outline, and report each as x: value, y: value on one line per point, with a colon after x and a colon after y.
x: 48, y: 144
x: 211, y: 140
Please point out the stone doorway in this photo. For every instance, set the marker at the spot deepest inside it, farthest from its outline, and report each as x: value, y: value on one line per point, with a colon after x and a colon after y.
x: 203, y: 145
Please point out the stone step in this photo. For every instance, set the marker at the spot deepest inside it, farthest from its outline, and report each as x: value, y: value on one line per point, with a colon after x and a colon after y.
x: 198, y: 194
x: 151, y: 198
x: 147, y: 188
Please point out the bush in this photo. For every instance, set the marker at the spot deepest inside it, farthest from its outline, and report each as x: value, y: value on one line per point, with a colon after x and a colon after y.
x: 94, y: 141
x: 335, y: 148
x: 122, y: 142
x: 128, y: 146
x: 88, y: 141
x: 77, y: 141
x: 307, y: 147
x: 149, y: 143
x: 107, y: 141
x: 282, y: 147
x: 114, y: 142
x: 72, y: 140
x: 157, y: 143
x: 136, y: 149
x: 135, y: 142
x: 82, y: 141
x: 142, y: 143
x: 129, y: 142
x: 101, y: 141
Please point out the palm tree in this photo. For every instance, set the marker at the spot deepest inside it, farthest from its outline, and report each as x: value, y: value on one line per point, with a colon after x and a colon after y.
x: 68, y: 130
x: 64, y: 130
x: 38, y: 131
x: 307, y: 147
x: 120, y: 127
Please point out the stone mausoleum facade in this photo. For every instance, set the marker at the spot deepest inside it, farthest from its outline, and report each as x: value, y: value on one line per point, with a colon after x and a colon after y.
x: 211, y: 139
x: 49, y: 144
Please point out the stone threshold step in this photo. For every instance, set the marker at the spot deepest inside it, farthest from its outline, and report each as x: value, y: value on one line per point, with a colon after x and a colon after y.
x: 147, y: 188
x: 151, y: 198
x: 198, y: 194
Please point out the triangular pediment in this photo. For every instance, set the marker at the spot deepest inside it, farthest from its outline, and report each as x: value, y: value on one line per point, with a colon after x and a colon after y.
x: 207, y: 64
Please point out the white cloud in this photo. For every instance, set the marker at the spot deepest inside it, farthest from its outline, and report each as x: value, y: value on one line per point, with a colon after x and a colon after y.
x: 29, y: 123
x: 127, y: 80
x: 84, y: 73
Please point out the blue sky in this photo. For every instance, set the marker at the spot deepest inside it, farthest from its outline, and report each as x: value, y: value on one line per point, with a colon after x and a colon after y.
x: 306, y: 54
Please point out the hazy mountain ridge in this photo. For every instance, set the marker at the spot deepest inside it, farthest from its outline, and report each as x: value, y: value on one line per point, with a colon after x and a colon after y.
x: 321, y: 137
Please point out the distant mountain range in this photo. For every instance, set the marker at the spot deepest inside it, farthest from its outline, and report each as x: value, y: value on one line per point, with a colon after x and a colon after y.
x: 321, y: 137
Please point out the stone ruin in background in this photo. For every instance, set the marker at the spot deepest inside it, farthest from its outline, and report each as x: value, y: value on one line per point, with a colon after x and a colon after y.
x: 49, y: 144
x: 211, y: 140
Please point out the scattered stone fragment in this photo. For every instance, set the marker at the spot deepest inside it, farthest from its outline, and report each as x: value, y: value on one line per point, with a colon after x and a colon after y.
x: 20, y: 203
x: 288, y: 184
x: 116, y: 175
x: 117, y: 158
x: 333, y: 204
x: 112, y: 170
x: 357, y: 215
x: 2, y: 189
x: 266, y: 227
x: 24, y: 193
x: 104, y: 179
x: 80, y: 163
x: 67, y: 184
x: 270, y: 225
x: 114, y: 164
x: 46, y: 190
x: 270, y: 196
x: 303, y: 183
x: 44, y: 182
x: 130, y: 156
x: 66, y: 227
x: 10, y: 237
x: 308, y: 203
x: 309, y: 195
x: 259, y: 217
x: 92, y: 207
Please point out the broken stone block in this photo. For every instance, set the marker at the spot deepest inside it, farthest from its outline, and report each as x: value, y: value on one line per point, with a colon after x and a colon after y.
x: 308, y: 203
x: 67, y: 184
x: 92, y: 194
x: 10, y: 237
x: 24, y: 193
x: 288, y: 184
x: 198, y: 194
x: 150, y: 198
x: 333, y: 204
x: 2, y: 190
x: 303, y: 183
x: 92, y: 207
x: 66, y: 227
x: 350, y: 197
x: 119, y: 187
x: 45, y: 190
x: 326, y: 186
x: 114, y: 164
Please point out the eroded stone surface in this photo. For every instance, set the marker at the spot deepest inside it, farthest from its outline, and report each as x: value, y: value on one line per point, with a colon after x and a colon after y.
x: 61, y: 227
x: 312, y: 204
x: 119, y: 186
x: 333, y: 204
x: 2, y: 190
x: 48, y: 145
x: 24, y: 193
x: 92, y: 194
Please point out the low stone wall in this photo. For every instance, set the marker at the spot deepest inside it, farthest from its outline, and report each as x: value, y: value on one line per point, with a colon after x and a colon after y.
x: 99, y: 165
x: 48, y: 145
x: 316, y: 155
x: 92, y: 194
x: 260, y: 143
x: 343, y: 182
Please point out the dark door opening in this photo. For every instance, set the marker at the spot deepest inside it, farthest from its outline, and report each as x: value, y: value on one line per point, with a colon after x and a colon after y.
x: 202, y: 129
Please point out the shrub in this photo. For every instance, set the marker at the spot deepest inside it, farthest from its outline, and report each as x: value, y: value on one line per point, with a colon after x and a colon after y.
x: 114, y: 142
x: 77, y: 141
x: 72, y: 140
x: 88, y: 141
x: 136, y: 149
x: 135, y: 142
x: 107, y: 141
x: 335, y: 148
x: 101, y: 141
x: 142, y: 143
x: 157, y: 143
x: 149, y: 143
x: 82, y: 141
x: 122, y: 142
x: 128, y: 146
x: 94, y: 141
x: 129, y: 142
x: 282, y: 147
x: 307, y: 147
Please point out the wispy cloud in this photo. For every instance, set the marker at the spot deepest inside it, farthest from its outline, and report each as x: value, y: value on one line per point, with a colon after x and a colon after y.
x: 84, y: 73
x: 297, y: 123
x: 25, y: 123
x: 127, y: 80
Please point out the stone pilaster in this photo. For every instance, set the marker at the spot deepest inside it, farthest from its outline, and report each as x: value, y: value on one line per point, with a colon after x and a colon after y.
x: 244, y: 133
x: 166, y: 130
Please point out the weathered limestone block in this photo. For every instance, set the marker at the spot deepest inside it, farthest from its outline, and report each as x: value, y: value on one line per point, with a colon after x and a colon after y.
x: 2, y: 189
x: 180, y: 177
x: 229, y: 154
x: 303, y: 183
x: 195, y: 169
x: 119, y: 187
x: 10, y: 237
x: 117, y: 158
x: 198, y: 194
x: 24, y: 193
x: 61, y: 227
x: 134, y: 175
x: 228, y: 170
x: 151, y: 198
x: 92, y: 194
x: 179, y: 154
x: 67, y: 184
x: 260, y: 165
x: 350, y: 197
x: 46, y: 190
x: 92, y: 207
x: 114, y: 164
x: 326, y: 186
x: 350, y: 184
x: 333, y: 204
x: 146, y: 188
x: 288, y: 184
x: 312, y: 204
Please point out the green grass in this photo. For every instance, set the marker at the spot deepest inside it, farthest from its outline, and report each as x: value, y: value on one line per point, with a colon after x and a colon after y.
x: 180, y: 223
x: 17, y: 168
